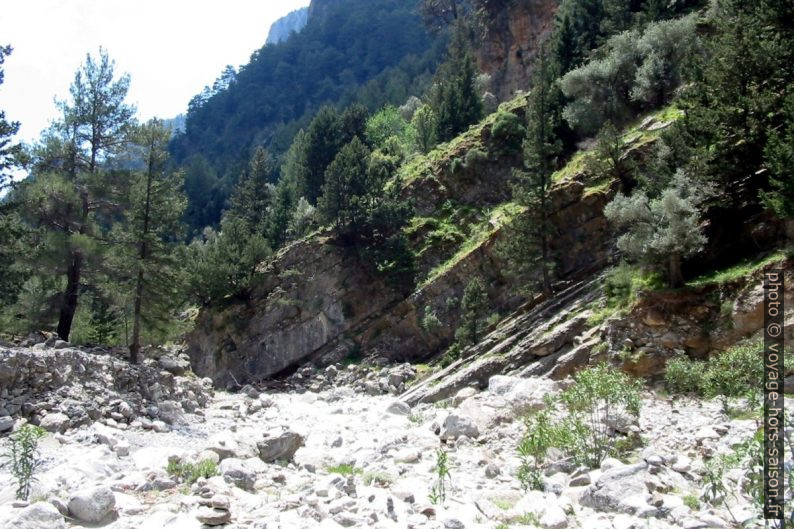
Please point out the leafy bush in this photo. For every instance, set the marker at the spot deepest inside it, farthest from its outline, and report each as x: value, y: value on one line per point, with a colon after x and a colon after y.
x: 388, y: 124
x: 748, y: 456
x: 683, y: 375
x: 662, y: 231
x: 638, y: 70
x: 430, y: 322
x: 508, y: 132
x: 539, y: 437
x: 189, y: 473
x: 599, y: 395
x: 625, y: 282
x: 22, y: 458
x: 473, y: 157
x: 737, y: 372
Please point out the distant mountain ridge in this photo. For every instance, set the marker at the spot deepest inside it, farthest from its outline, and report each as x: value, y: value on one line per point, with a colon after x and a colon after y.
x: 285, y: 26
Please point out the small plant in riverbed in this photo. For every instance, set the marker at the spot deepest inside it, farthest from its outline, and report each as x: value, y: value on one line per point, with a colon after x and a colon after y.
x: 438, y: 492
x: 416, y: 418
x: 344, y: 469
x: 377, y: 478
x: 747, y: 456
x: 22, y: 458
x: 189, y: 473
x: 529, y: 518
x: 532, y: 449
x: 692, y: 502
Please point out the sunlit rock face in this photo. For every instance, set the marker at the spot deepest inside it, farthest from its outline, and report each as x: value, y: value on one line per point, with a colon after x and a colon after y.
x: 511, y: 44
x: 285, y: 26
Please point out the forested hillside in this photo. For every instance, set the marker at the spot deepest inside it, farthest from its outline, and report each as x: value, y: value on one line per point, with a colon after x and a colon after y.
x: 368, y: 51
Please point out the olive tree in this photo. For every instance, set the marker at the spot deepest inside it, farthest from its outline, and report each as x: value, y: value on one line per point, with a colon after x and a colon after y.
x: 661, y: 231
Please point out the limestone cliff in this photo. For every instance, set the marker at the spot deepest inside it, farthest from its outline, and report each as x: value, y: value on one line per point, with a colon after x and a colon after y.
x: 511, y: 41
x: 285, y: 26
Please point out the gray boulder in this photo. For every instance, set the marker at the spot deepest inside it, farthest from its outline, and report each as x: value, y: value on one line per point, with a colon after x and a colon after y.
x: 398, y: 408
x: 455, y: 426
x: 40, y: 515
x: 235, y: 471
x: 93, y: 505
x: 213, y: 517
x: 55, y: 422
x: 620, y: 489
x: 6, y: 423
x: 175, y: 366
x: 280, y: 446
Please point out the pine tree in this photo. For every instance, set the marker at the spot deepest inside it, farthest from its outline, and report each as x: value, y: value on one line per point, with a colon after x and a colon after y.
x: 531, y: 241
x: 147, y: 252
x: 779, y: 158
x: 9, y: 152
x: 253, y: 195
x: 473, y: 311
x: 72, y: 189
x: 280, y: 212
x: 225, y: 263
x: 346, y: 192
x: 315, y: 152
x: 457, y: 103
x: 739, y: 88
x: 11, y: 229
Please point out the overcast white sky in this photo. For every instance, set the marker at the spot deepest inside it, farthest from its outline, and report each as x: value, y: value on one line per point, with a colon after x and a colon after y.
x: 171, y: 48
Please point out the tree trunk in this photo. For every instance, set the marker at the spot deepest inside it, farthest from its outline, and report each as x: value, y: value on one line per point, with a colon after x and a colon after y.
x: 135, y: 347
x: 674, y: 275
x: 70, y: 295
x: 547, y: 290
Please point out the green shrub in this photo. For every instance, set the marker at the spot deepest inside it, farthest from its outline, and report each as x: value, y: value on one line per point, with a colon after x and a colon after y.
x: 746, y: 456
x: 189, y: 473
x: 540, y: 435
x: 473, y: 157
x: 508, y: 132
x: 22, y: 458
x: 683, y: 375
x: 599, y: 394
x: 737, y: 372
x: 625, y: 282
x: 692, y: 502
x: 430, y: 322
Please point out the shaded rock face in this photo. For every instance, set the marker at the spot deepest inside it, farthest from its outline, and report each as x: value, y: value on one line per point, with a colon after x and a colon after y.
x: 512, y: 40
x: 314, y: 298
